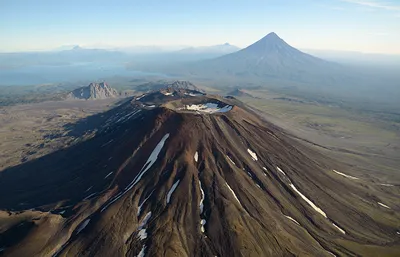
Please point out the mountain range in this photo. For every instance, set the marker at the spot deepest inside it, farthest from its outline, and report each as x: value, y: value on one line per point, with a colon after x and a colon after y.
x: 176, y: 172
x: 269, y: 62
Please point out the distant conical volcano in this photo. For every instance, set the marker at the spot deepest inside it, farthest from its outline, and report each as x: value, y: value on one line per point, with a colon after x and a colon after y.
x: 270, y: 43
x: 177, y: 172
x: 270, y: 57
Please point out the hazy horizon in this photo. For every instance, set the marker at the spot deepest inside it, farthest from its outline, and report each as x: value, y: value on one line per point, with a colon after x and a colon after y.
x: 368, y: 26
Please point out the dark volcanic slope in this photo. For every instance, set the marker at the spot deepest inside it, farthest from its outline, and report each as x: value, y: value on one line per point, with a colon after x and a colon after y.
x: 193, y: 176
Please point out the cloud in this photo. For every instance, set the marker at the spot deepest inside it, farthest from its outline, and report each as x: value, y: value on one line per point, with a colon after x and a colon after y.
x: 376, y: 4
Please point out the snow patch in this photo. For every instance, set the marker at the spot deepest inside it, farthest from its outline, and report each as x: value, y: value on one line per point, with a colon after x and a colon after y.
x: 142, y: 234
x: 265, y: 174
x: 142, y: 252
x: 145, y: 220
x: 127, y: 116
x: 207, y: 108
x: 107, y: 143
x: 83, y: 226
x: 172, y: 190
x: 140, y: 97
x: 141, y: 205
x: 109, y: 174
x: 331, y: 253
x: 167, y: 93
x: 202, y: 223
x: 252, y: 154
x: 281, y: 171
x: 87, y: 197
x: 341, y: 230
x: 383, y: 205
x: 231, y: 160
x: 344, y: 175
x: 308, y: 201
x: 387, y: 185
x: 191, y: 94
x: 202, y: 198
x: 150, y: 161
x: 237, y: 199
x: 295, y: 221
x: 196, y: 156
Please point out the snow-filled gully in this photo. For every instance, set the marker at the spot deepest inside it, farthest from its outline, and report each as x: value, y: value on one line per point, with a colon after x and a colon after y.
x: 149, y: 163
x: 231, y: 160
x: 201, y: 205
x: 142, y: 252
x: 171, y: 191
x: 309, y: 202
x: 82, y: 226
x: 109, y: 174
x: 252, y: 154
x: 290, y: 218
x: 233, y: 193
x: 316, y: 208
x: 142, y: 231
x: 344, y: 175
x: 144, y: 201
x: 384, y: 205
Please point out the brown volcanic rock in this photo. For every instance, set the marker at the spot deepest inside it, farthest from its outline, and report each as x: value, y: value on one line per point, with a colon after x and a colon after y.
x: 260, y: 192
x: 93, y: 91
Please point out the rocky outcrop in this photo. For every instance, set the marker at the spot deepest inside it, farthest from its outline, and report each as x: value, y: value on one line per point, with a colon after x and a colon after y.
x: 93, y: 91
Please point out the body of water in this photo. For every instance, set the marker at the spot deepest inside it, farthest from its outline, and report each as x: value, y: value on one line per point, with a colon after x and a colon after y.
x: 42, y: 74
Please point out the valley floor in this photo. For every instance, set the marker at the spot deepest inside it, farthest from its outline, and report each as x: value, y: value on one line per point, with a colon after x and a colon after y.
x: 366, y: 142
x: 29, y: 131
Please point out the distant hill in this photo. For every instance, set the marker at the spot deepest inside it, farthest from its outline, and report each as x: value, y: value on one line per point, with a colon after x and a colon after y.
x: 239, y: 92
x: 151, y: 86
x: 92, y: 92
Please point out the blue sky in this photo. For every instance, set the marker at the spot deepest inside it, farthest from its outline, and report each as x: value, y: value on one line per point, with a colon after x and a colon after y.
x: 355, y: 25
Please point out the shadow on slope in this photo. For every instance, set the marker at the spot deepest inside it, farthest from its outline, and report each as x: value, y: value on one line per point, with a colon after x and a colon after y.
x: 69, y: 175
x: 93, y: 122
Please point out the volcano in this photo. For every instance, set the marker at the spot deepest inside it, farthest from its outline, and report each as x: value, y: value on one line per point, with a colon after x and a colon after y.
x: 271, y: 59
x: 177, y: 172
